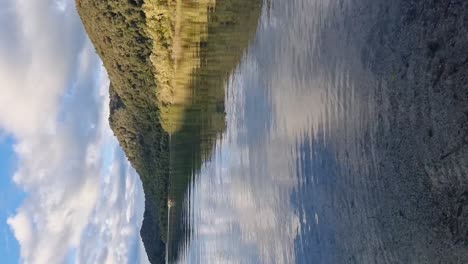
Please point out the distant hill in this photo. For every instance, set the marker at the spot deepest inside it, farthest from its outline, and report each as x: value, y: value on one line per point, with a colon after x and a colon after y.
x: 167, y: 62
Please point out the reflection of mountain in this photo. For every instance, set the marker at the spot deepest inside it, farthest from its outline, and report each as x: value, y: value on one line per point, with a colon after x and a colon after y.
x: 168, y: 62
x: 230, y: 27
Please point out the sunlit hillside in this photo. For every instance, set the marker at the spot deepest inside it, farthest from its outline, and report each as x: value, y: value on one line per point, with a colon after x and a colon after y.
x: 168, y: 62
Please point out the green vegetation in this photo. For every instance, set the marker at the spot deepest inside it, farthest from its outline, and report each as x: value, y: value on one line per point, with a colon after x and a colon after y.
x: 117, y: 30
x: 179, y: 26
x: 168, y: 62
x: 230, y: 29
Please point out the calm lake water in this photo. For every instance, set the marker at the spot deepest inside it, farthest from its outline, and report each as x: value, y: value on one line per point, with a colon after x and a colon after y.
x: 330, y: 152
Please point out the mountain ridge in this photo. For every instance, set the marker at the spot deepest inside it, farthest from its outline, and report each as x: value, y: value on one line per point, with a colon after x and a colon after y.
x: 168, y: 63
x: 118, y: 34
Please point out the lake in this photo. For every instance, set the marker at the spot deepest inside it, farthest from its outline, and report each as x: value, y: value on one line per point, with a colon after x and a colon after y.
x: 323, y: 131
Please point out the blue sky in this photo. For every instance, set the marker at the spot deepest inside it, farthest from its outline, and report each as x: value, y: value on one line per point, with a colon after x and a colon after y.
x: 10, y: 199
x: 68, y: 194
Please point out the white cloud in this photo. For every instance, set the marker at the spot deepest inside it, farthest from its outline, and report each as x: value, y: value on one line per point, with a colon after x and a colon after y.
x: 36, y: 67
x: 54, y: 103
x: 115, y: 223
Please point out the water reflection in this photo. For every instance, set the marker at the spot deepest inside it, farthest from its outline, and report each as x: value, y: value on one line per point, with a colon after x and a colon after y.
x: 210, y: 39
x: 316, y: 163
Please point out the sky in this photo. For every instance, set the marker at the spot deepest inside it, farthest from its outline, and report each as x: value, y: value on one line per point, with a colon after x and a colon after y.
x: 67, y: 192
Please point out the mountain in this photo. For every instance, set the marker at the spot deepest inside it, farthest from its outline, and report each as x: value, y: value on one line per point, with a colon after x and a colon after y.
x: 168, y: 63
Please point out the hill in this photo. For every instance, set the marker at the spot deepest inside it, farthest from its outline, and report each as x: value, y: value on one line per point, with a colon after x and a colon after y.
x: 167, y: 63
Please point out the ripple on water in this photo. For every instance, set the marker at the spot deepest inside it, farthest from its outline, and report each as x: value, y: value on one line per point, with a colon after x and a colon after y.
x: 323, y: 157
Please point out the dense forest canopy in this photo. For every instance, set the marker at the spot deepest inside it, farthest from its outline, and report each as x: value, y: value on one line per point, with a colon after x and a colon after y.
x: 168, y: 62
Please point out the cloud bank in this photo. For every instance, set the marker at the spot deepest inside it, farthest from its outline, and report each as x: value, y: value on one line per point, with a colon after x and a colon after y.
x: 84, y: 201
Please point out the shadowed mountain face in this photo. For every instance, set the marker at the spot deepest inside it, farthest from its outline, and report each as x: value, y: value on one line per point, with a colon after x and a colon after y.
x: 168, y: 62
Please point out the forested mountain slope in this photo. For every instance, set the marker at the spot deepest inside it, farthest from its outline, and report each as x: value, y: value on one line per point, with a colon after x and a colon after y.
x: 168, y: 62
x: 117, y: 30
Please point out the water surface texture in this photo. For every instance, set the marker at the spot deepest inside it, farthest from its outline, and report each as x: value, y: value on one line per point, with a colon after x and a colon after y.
x: 344, y: 141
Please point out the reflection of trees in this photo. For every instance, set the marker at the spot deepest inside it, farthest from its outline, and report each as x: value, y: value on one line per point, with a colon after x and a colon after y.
x: 201, y: 120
